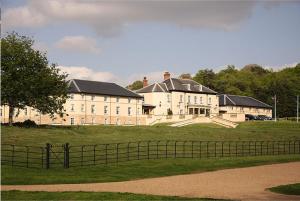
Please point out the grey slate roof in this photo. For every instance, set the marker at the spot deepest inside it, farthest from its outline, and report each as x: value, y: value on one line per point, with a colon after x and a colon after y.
x: 246, y: 101
x: 175, y: 84
x: 101, y: 88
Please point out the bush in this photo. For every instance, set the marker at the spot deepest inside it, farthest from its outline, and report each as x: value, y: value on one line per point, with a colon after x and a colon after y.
x: 26, y: 124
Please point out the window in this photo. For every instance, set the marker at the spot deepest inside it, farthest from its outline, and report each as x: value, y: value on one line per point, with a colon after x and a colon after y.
x: 105, y: 121
x: 117, y: 110
x: 189, y: 99
x: 181, y: 111
x: 25, y: 111
x: 93, y: 109
x: 129, y: 100
x: 72, y: 107
x: 200, y: 100
x: 72, y: 121
x: 82, y: 96
x: 168, y: 97
x: 129, y: 111
x: 181, y: 98
x: 209, y: 100
x: 105, y: 98
x: 72, y: 96
x: 1, y: 112
x: 195, y: 99
x: 117, y: 99
x: 92, y: 97
x: 105, y: 110
x: 82, y: 107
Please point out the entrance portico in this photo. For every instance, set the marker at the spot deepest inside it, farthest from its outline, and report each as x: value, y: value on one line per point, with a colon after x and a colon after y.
x: 198, y: 110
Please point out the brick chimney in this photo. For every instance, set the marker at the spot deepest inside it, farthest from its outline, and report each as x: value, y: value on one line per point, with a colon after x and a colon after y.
x: 167, y: 75
x: 145, y: 82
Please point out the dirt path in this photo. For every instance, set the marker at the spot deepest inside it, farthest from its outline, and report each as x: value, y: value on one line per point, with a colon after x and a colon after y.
x: 238, y: 184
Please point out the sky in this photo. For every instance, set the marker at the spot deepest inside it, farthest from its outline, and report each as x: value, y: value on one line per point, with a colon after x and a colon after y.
x: 123, y: 41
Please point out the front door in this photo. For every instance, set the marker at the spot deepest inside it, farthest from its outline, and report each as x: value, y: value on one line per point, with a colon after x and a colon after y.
x: 207, y: 112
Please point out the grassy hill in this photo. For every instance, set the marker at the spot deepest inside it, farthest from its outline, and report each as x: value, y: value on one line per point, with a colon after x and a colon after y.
x: 78, y: 135
x: 145, y: 168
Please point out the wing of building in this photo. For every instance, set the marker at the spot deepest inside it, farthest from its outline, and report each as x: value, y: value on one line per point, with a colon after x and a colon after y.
x: 92, y: 102
x: 233, y: 107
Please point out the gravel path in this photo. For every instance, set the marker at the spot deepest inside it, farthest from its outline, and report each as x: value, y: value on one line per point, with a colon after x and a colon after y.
x: 238, y: 184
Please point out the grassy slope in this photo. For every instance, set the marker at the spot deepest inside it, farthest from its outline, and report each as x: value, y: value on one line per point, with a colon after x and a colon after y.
x: 291, y: 189
x: 133, y: 170
x: 20, y: 195
x: 108, y: 134
x: 142, y: 169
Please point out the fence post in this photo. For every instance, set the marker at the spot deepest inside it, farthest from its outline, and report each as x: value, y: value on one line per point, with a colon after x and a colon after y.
x: 175, y: 154
x: 66, y: 155
x: 148, y: 151
x: 117, y: 152
x: 167, y: 149
x: 106, y: 153
x: 157, y: 144
x: 12, y: 155
x: 200, y: 149
x: 128, y: 144
x: 95, y: 154
x: 27, y: 156
x: 192, y: 149
x: 222, y: 149
x: 48, y: 156
x: 82, y: 147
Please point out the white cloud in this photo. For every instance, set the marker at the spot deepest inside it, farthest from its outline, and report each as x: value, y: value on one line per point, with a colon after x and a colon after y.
x: 78, y: 44
x: 82, y: 72
x: 108, y: 18
x: 280, y: 67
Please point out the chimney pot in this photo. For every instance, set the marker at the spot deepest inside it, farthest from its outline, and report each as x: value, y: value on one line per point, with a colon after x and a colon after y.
x: 145, y: 82
x: 167, y: 75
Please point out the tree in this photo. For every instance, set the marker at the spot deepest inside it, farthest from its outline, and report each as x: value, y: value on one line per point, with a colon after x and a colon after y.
x: 27, y: 78
x: 205, y: 77
x: 185, y: 76
x: 135, y: 85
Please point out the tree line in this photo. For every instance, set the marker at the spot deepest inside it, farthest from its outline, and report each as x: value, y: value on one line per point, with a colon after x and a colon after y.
x: 252, y: 80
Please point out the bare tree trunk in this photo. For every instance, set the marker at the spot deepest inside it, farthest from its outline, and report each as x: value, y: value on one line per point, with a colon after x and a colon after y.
x: 10, y: 116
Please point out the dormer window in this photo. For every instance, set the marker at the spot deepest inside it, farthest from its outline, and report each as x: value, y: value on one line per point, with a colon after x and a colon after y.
x: 188, y: 86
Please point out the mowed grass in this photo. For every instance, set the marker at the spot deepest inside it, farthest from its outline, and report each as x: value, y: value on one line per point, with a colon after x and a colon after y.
x: 109, y: 134
x: 21, y: 195
x: 133, y: 170
x: 291, y: 189
x: 145, y: 168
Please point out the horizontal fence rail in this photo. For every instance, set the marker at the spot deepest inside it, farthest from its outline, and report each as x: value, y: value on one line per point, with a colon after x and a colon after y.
x: 66, y: 156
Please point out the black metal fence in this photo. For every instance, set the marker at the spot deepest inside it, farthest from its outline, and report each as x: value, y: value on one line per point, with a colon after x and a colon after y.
x: 65, y: 156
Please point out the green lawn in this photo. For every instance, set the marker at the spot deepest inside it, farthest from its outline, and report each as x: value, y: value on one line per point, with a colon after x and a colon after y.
x: 291, y: 189
x: 107, y: 134
x: 20, y: 195
x: 133, y: 170
x: 144, y: 168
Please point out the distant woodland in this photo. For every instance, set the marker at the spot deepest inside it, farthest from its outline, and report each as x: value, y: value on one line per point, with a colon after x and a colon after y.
x: 255, y: 81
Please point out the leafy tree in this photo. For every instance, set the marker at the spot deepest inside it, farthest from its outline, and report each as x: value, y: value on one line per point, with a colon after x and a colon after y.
x: 135, y: 85
x: 255, y: 81
x: 185, y: 76
x: 27, y: 78
x: 205, y: 77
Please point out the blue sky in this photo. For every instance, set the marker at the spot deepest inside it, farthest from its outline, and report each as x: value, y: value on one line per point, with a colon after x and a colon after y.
x: 122, y: 42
